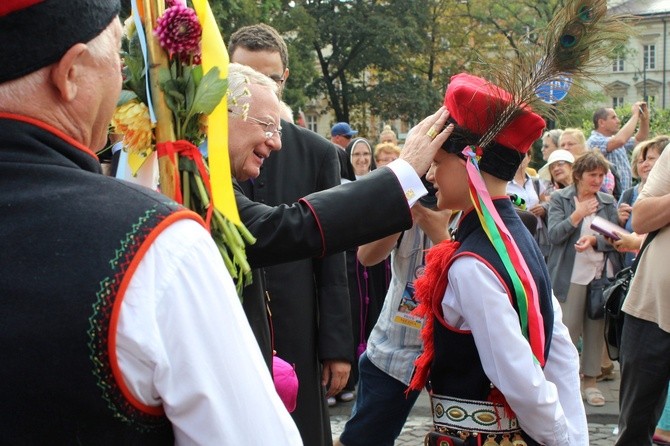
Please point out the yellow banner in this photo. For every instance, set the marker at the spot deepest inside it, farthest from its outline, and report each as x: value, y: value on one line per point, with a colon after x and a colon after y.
x: 214, y: 54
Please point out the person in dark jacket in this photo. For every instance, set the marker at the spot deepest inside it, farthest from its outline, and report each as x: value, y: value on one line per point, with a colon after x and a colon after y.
x: 308, y: 298
x: 120, y: 323
x: 333, y: 211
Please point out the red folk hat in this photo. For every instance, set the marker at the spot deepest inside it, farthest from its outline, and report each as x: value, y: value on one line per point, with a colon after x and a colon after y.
x: 475, y: 104
x: 36, y: 33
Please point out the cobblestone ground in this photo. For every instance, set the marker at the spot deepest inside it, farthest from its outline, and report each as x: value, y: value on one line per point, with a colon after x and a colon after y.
x: 416, y: 427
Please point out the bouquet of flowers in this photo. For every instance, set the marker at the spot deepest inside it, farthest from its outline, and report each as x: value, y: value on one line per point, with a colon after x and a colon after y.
x: 167, y: 99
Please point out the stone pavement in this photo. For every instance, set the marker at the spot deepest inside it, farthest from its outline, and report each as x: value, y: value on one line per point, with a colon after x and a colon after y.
x: 602, y: 420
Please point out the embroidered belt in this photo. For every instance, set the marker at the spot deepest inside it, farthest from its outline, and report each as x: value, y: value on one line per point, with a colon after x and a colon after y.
x: 471, y: 416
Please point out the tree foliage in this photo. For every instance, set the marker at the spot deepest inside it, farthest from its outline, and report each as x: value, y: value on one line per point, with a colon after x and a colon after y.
x: 393, y: 58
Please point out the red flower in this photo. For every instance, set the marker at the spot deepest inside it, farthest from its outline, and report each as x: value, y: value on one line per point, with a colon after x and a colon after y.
x: 179, y: 31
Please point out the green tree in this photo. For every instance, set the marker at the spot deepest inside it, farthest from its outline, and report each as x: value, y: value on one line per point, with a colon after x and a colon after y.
x: 346, y: 39
x: 414, y: 86
x: 389, y: 58
x: 233, y: 14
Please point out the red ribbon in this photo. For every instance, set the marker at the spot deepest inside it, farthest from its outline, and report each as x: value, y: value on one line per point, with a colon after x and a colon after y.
x: 190, y: 151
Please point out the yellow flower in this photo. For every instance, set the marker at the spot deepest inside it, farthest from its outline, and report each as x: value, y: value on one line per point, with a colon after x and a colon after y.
x: 133, y: 122
x: 129, y: 28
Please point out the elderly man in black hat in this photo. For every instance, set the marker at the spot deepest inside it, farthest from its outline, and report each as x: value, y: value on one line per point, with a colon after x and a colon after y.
x: 120, y: 323
x: 109, y: 333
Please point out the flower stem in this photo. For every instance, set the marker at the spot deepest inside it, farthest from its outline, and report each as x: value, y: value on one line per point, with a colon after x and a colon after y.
x: 186, y: 189
x: 229, y: 238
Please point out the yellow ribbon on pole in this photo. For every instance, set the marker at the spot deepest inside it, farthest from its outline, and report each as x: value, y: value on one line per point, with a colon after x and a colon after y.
x: 214, y: 54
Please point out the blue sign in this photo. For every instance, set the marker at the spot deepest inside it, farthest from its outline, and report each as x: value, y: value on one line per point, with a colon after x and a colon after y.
x: 555, y: 90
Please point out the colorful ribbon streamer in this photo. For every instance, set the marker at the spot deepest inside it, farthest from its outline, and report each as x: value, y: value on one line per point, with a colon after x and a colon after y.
x: 214, y: 54
x: 532, y: 323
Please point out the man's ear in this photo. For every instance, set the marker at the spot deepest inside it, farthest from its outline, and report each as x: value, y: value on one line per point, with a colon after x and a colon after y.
x: 66, y: 72
x: 285, y: 75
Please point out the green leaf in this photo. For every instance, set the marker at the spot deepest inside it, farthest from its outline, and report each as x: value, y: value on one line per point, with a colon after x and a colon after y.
x: 164, y: 76
x: 125, y: 97
x: 209, y: 93
x: 190, y: 92
x: 196, y: 72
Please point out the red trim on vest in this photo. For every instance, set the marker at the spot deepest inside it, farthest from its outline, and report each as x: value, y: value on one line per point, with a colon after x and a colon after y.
x: 318, y: 225
x: 114, y: 320
x: 49, y: 128
x: 430, y: 288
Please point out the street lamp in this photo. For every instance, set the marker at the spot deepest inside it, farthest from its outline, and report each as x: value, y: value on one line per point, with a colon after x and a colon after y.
x: 644, y: 78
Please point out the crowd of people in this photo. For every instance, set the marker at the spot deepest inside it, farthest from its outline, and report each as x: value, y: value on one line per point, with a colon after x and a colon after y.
x: 380, y: 268
x: 604, y: 175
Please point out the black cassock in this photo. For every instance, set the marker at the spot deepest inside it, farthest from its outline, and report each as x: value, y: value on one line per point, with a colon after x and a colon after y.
x: 308, y: 299
x: 321, y: 223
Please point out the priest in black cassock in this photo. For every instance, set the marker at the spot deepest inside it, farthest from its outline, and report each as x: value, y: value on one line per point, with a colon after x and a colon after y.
x: 308, y: 299
x: 289, y: 232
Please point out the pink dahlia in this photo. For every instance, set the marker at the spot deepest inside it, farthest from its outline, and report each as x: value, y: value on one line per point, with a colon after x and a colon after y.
x: 179, y: 31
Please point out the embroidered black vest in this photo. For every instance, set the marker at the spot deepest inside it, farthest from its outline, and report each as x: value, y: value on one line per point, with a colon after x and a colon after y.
x: 456, y: 370
x: 71, y: 239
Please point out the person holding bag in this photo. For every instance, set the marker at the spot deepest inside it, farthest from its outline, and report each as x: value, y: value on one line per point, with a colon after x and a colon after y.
x: 578, y: 257
x: 645, y: 342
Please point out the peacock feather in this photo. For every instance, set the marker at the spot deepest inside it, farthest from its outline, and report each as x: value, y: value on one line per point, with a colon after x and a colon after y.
x: 578, y: 40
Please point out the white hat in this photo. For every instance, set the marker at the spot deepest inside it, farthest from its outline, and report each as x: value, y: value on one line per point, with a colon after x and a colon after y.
x: 556, y: 155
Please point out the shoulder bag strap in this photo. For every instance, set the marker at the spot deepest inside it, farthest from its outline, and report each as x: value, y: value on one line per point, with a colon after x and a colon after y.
x: 647, y: 240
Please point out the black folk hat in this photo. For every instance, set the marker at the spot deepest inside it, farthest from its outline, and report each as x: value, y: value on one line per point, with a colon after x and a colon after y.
x: 36, y: 33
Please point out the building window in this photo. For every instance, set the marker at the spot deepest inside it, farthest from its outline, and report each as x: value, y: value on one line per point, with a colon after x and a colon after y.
x: 617, y: 64
x: 617, y: 102
x: 311, y: 123
x: 649, y: 59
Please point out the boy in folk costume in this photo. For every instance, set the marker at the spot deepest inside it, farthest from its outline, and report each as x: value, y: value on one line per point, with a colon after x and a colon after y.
x: 502, y: 367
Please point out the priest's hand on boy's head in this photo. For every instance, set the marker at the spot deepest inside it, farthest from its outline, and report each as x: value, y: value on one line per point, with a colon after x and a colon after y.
x: 425, y: 139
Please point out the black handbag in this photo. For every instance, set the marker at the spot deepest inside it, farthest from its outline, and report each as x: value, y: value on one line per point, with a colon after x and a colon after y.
x: 595, y: 298
x: 615, y: 295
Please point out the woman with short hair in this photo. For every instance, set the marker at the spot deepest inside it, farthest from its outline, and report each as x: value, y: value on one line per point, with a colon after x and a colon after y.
x: 579, y: 255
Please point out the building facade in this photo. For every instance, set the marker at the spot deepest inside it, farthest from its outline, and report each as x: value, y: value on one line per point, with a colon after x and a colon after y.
x: 640, y: 72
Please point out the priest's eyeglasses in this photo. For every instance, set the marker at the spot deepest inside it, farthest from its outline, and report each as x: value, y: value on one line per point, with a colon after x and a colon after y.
x: 270, y: 127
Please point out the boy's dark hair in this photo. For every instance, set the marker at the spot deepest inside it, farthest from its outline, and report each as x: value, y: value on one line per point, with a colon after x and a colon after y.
x: 259, y: 37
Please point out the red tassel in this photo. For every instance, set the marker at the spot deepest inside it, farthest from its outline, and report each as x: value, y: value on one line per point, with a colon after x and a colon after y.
x: 430, y: 288
x: 496, y: 397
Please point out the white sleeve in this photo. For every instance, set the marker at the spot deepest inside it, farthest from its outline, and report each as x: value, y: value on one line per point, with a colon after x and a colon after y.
x: 409, y: 181
x: 476, y: 300
x: 562, y: 368
x: 184, y: 342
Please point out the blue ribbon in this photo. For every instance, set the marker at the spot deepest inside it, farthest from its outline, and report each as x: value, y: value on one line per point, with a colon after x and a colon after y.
x: 143, y: 45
